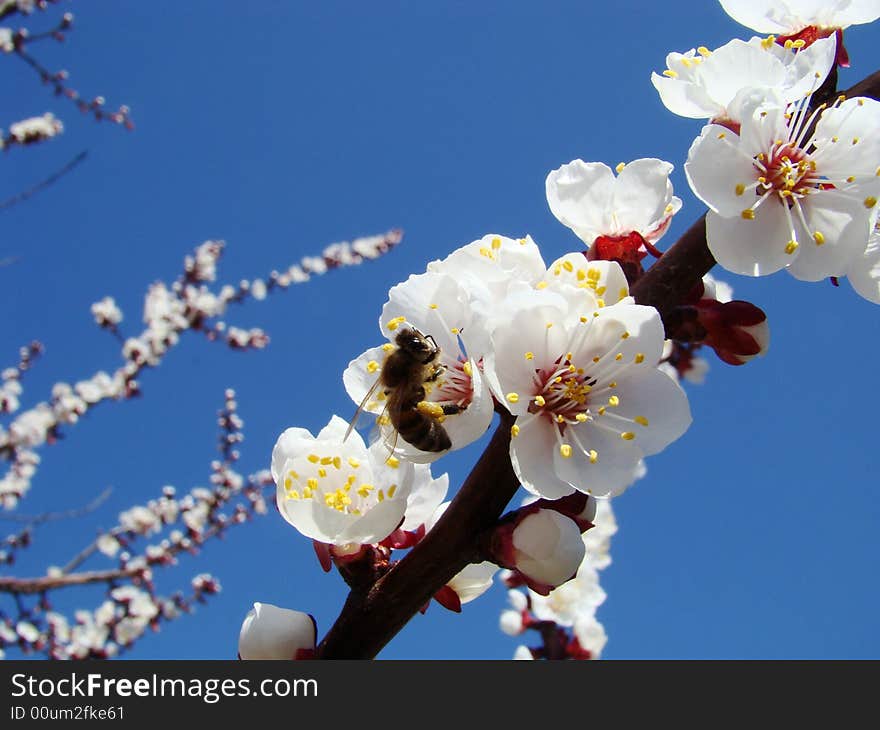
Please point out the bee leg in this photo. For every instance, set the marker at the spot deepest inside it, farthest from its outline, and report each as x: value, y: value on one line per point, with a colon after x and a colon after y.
x: 436, y: 373
x: 451, y: 410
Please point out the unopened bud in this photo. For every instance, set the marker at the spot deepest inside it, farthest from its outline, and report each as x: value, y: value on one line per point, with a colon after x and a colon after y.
x: 270, y: 632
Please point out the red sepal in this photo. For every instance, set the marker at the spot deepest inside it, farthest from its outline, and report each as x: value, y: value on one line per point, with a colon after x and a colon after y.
x: 322, y: 550
x: 448, y: 598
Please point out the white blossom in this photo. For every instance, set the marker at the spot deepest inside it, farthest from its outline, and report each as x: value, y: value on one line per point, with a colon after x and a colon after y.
x: 35, y: 129
x: 579, y: 372
x: 336, y: 490
x: 704, y: 84
x: 588, y: 198
x: 787, y: 17
x: 779, y: 200
x: 106, y: 312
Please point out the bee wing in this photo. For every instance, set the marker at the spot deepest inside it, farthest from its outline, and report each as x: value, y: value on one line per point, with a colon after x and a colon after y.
x: 360, y: 409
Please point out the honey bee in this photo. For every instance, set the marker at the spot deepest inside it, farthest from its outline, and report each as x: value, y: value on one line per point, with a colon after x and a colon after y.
x: 403, y: 377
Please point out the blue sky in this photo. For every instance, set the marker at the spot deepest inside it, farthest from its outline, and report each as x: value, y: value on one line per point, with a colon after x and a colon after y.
x: 284, y: 126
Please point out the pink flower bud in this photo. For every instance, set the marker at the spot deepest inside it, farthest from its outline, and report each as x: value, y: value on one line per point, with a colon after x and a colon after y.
x: 270, y: 632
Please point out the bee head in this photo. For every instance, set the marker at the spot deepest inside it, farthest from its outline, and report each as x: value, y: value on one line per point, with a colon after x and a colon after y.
x: 413, y: 342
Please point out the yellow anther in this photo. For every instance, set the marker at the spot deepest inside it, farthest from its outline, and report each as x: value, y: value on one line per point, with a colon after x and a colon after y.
x: 596, y: 359
x: 387, y: 347
x: 288, y: 483
x: 541, y: 285
x: 337, y: 462
x: 565, y: 451
x: 380, y: 496
x: 429, y: 409
x: 307, y: 492
x: 584, y: 320
x: 530, y: 356
x: 393, y: 462
x: 557, y: 270
x: 496, y: 243
x: 372, y: 366
x: 627, y: 435
x: 512, y: 397
x: 322, y: 472
x: 618, y: 356
x: 314, y: 458
x: 395, y: 323
x: 740, y: 189
x: 850, y: 179
x: 391, y: 490
x: 594, y: 456
x: 539, y: 401
x: 722, y: 135
x: 670, y: 73
x: 602, y: 410
x: 455, y: 330
x: 870, y: 201
x: 748, y: 214
x: 364, y: 490
x: 560, y: 419
x: 641, y: 420
x: 581, y: 274
x: 612, y: 384
x: 312, y: 483
x: 487, y: 253
x: 819, y: 238
x: 581, y: 418
x: 619, y: 167
x: 326, y: 460
x: 614, y: 401
x: 293, y: 474
x: 855, y: 140
x: 768, y: 42
x: 600, y: 303
x: 799, y: 43
x: 594, y: 274
x: 353, y: 463
x: 568, y: 266
x: 293, y: 494
x: 704, y: 52
x: 639, y: 358
x: 468, y: 370
x: 514, y: 431
x: 383, y: 420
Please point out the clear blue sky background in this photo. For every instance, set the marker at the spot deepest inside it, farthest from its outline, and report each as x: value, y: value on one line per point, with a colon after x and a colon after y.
x: 283, y: 126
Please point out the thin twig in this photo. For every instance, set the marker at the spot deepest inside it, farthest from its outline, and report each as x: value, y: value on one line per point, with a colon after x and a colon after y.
x: 48, y: 182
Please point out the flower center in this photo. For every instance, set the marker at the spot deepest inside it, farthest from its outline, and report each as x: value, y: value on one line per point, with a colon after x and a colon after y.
x: 455, y: 386
x: 563, y: 393
x: 786, y: 170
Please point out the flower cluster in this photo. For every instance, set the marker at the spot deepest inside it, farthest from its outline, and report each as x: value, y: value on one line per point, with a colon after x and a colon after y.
x: 146, y: 539
x: 188, y: 304
x: 790, y: 176
x: 565, y: 618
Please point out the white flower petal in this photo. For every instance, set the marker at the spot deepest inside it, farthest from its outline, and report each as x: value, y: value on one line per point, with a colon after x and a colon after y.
x: 579, y: 194
x: 751, y: 248
x: 714, y: 168
x: 531, y: 454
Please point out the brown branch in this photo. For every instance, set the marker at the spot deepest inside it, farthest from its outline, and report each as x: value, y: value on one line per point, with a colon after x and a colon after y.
x: 369, y: 620
x: 30, y: 586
